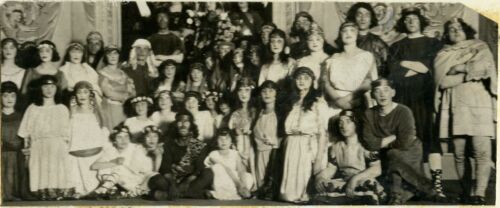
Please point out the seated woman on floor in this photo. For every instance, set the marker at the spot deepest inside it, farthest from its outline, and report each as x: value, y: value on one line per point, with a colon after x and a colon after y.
x: 124, y: 165
x: 351, y: 169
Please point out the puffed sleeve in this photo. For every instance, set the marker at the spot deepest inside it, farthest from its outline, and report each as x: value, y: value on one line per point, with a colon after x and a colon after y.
x: 26, y: 124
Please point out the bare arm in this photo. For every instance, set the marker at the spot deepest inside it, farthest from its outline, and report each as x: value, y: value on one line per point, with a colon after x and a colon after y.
x: 388, y: 140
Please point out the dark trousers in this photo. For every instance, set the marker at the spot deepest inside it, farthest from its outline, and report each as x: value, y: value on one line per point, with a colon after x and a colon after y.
x: 196, y: 189
x: 406, y: 166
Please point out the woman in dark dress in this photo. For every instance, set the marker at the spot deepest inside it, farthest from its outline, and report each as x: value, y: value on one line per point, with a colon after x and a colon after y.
x: 410, y: 66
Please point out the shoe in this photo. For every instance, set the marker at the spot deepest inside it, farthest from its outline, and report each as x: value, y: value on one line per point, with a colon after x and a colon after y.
x: 160, y: 196
x: 477, y: 200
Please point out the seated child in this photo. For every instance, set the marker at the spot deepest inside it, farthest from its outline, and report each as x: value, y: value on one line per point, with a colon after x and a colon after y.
x: 124, y: 165
x: 231, y: 181
x: 352, y: 169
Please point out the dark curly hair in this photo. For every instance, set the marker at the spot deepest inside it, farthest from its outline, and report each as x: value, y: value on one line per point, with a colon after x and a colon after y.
x: 37, y: 97
x: 338, y: 41
x: 401, y: 26
x: 468, y: 30
x: 335, y: 128
x: 174, y: 130
x: 351, y: 14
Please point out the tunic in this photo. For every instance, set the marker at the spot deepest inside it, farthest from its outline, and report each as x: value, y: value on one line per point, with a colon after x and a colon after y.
x: 223, y: 186
x: 416, y: 91
x: 11, y: 156
x: 48, y: 128
x: 115, y: 91
x: 300, y: 151
x: 277, y: 72
x: 142, y: 81
x: 470, y: 107
x: 166, y: 44
x: 80, y: 72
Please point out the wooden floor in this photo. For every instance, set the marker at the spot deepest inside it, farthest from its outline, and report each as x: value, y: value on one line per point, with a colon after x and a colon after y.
x: 451, y: 187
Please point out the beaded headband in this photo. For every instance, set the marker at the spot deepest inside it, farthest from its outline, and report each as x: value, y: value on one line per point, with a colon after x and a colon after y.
x: 45, y: 45
x: 142, y: 98
x: 151, y: 128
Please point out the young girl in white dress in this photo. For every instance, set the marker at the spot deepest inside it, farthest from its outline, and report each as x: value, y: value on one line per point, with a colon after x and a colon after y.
x: 136, y: 124
x: 231, y: 180
x: 278, y: 66
x: 46, y: 129
x: 164, y: 116
x: 88, y: 137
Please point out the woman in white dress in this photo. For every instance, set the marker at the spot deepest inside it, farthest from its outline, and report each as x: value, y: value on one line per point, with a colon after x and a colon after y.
x: 348, y: 74
x: 305, y: 143
x: 46, y: 129
x: 231, y: 180
x: 10, y: 70
x: 278, y: 66
x: 87, y: 138
x: 142, y: 106
x: 202, y: 118
x: 316, y: 54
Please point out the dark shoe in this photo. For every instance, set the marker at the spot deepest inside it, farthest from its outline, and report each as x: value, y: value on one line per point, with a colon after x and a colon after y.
x: 160, y: 196
x: 477, y: 200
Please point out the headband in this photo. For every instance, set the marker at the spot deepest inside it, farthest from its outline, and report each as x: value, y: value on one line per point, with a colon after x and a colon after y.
x: 151, y: 128
x: 120, y: 129
x: 142, y: 98
x: 215, y: 94
x: 76, y: 45
x: 45, y: 45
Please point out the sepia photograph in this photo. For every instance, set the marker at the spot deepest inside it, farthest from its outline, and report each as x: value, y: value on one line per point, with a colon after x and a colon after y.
x: 247, y: 103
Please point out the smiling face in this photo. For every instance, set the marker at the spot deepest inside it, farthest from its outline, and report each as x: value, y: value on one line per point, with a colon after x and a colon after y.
x: 151, y: 140
x: 141, y: 108
x: 456, y: 33
x: 315, y: 43
x: 183, y: 125
x: 9, y: 99
x: 383, y: 95
x: 75, y: 56
x: 224, y: 142
x: 346, y: 126
x: 303, y: 82
x: 113, y: 57
x: 9, y: 51
x: 191, y: 104
x: 277, y: 44
x: 49, y: 90
x: 412, y: 23
x: 45, y: 54
x: 349, y: 35
x: 268, y: 95
x: 363, y: 19
x: 122, y: 140
x: 82, y: 96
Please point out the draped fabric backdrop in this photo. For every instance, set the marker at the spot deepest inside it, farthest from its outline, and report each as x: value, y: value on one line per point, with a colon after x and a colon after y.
x: 330, y: 15
x: 62, y: 22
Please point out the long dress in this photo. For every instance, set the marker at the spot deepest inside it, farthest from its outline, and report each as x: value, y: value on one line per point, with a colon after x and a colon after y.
x: 80, y: 72
x: 347, y: 79
x: 417, y: 91
x: 266, y: 127
x: 11, y: 156
x: 244, y: 143
x: 300, y: 151
x: 223, y: 186
x: 468, y: 108
x: 48, y: 128
x: 112, y: 108
x: 87, y: 140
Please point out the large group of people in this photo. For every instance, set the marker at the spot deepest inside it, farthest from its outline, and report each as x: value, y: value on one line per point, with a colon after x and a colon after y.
x: 227, y: 106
